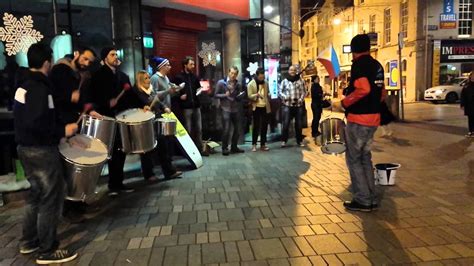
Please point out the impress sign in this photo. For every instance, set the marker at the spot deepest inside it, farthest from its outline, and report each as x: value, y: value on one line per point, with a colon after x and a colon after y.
x: 457, y: 51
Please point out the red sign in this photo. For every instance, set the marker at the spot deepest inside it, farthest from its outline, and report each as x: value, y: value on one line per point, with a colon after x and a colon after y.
x: 239, y: 8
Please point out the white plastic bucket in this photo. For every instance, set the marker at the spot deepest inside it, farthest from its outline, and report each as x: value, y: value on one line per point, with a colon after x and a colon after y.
x: 385, y: 173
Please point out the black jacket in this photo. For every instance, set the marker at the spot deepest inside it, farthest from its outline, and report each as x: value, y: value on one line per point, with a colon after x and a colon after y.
x: 106, y: 85
x: 190, y: 89
x: 35, y: 119
x: 316, y: 95
x: 136, y: 98
x: 366, y: 66
x: 467, y: 98
x: 65, y: 80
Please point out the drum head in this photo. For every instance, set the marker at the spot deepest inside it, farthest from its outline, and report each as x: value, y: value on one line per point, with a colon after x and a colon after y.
x: 333, y: 148
x: 131, y: 116
x: 94, y: 152
x: 166, y: 120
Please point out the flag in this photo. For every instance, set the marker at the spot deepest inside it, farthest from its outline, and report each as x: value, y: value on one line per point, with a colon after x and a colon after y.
x: 329, y: 59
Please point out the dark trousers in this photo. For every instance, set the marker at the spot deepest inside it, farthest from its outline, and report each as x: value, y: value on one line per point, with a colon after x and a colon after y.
x: 164, y: 158
x: 317, y: 111
x: 260, y: 125
x: 116, y: 164
x: 44, y: 170
x: 288, y: 113
x: 470, y: 119
x: 230, y: 119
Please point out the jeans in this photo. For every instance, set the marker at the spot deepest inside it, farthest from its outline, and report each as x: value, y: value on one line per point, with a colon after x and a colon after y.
x: 44, y: 170
x: 260, y: 125
x: 164, y: 158
x: 470, y: 119
x: 288, y: 113
x: 116, y: 164
x: 317, y: 110
x: 359, y: 161
x: 234, y: 120
x: 193, y: 124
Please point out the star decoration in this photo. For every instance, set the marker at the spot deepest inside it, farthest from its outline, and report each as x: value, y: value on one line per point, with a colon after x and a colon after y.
x: 18, y: 35
x: 252, y: 68
x: 209, y: 54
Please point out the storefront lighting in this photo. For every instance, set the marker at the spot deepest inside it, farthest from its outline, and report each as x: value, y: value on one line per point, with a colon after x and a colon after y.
x: 337, y: 21
x: 209, y: 54
x: 268, y: 9
x: 18, y: 34
x: 453, y: 68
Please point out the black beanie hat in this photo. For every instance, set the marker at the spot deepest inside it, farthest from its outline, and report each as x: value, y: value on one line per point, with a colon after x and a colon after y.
x: 105, y: 51
x: 360, y: 43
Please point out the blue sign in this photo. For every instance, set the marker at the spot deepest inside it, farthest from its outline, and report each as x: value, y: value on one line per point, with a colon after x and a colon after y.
x: 448, y: 7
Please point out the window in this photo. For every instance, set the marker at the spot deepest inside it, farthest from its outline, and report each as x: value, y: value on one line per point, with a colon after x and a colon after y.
x: 387, y: 24
x: 404, y: 19
x: 465, y: 18
x: 372, y: 23
x: 361, y: 26
x: 404, y: 65
x: 387, y: 74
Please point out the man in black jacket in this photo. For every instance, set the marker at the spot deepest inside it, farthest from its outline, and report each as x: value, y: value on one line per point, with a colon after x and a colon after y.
x: 189, y: 102
x: 106, y: 85
x: 38, y: 132
x: 67, y: 78
x: 316, y: 105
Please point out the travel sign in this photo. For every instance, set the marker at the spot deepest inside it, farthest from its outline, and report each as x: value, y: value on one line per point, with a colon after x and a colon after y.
x: 447, y: 21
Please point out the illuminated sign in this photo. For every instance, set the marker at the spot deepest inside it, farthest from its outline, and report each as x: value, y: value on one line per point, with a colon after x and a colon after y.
x: 148, y: 42
x: 18, y: 34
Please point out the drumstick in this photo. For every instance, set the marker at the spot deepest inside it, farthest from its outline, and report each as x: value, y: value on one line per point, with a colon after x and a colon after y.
x: 87, y: 107
x: 156, y: 100
x: 126, y: 87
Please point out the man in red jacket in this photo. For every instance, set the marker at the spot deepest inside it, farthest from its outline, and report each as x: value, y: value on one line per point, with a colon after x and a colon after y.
x: 362, y: 104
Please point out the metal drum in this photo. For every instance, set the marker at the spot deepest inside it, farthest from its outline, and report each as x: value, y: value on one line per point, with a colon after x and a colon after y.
x: 136, y: 130
x: 100, y: 128
x: 166, y: 126
x: 333, y: 140
x: 83, y: 164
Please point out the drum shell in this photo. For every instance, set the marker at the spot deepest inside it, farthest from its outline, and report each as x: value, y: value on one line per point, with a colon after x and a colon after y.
x: 166, y: 127
x: 102, y: 129
x: 81, y: 179
x: 333, y: 139
x: 137, y: 137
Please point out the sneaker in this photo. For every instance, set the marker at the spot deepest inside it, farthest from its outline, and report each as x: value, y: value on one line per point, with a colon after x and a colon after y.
x: 205, y: 153
x: 254, y: 148
x: 113, y: 193
x: 175, y: 175
x: 236, y: 150
x: 375, y: 206
x: 58, y: 256
x: 301, y: 144
x: 225, y: 152
x: 264, y: 148
x: 126, y: 189
x: 355, y: 206
x: 28, y: 249
x: 283, y: 144
x: 470, y: 135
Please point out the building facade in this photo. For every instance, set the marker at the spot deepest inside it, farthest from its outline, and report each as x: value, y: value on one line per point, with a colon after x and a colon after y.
x: 417, y: 25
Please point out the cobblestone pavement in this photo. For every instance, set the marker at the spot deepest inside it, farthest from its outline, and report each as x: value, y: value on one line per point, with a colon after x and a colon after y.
x: 284, y: 207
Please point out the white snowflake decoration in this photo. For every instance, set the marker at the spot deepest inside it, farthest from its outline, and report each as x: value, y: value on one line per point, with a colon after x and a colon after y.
x: 18, y: 35
x: 209, y: 54
x: 252, y: 68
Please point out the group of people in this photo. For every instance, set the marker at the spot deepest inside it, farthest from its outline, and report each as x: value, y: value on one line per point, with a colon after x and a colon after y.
x: 50, y: 99
x: 48, y: 103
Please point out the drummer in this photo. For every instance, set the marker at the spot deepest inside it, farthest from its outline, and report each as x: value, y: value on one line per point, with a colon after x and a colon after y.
x: 37, y: 133
x: 143, y: 95
x: 67, y: 79
x: 106, y: 85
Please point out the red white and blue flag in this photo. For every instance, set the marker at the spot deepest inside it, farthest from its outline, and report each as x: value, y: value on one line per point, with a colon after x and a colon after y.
x: 329, y: 59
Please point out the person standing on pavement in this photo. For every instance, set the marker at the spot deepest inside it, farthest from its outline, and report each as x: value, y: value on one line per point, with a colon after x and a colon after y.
x: 259, y: 96
x: 362, y: 103
x: 160, y: 81
x: 316, y: 105
x: 292, y: 92
x: 189, y: 102
x: 67, y: 82
x: 38, y: 132
x: 142, y: 95
x: 467, y: 103
x: 227, y: 91
x: 106, y: 85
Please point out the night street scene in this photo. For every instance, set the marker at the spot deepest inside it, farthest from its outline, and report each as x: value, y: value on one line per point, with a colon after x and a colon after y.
x: 236, y: 132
